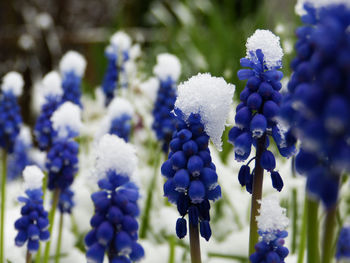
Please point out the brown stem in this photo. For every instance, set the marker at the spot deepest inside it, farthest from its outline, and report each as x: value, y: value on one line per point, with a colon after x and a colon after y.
x: 194, y: 244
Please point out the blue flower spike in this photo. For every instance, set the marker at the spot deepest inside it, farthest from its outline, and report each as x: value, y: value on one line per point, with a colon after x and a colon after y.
x: 72, y: 67
x: 43, y: 130
x: 114, y: 224
x: 10, y: 115
x: 201, y: 109
x: 33, y: 224
x: 343, y: 244
x: 317, y: 105
x: 167, y: 70
x: 256, y: 115
x: 272, y: 223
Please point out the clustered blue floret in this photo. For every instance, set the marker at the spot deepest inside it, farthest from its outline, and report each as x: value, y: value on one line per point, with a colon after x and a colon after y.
x: 256, y: 119
x: 121, y: 126
x: 191, y: 175
x: 71, y: 85
x: 43, y: 130
x: 62, y: 163
x: 65, y: 201
x: 269, y: 250
x: 115, y: 226
x: 33, y: 225
x: 343, y: 244
x: 164, y: 121
x: 10, y: 120
x: 317, y: 105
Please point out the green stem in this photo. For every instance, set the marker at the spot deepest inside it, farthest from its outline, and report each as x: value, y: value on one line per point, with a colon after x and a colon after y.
x: 256, y: 196
x: 294, y: 220
x: 56, y: 195
x: 194, y: 244
x: 328, y: 236
x: 3, y: 202
x: 301, y: 248
x: 172, y: 245
x: 150, y: 190
x: 313, y: 254
x: 59, y: 240
x: 28, y: 257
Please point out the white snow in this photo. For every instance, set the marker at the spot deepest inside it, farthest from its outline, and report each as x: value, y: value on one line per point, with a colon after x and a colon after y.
x: 33, y: 177
x: 25, y: 135
x: 66, y: 119
x: 211, y: 97
x: 113, y: 153
x: 73, y: 61
x: 269, y: 45
x: 150, y: 88
x: 13, y: 81
x: 121, y: 41
x: 43, y: 21
x: 272, y: 216
x: 135, y: 51
x: 299, y: 7
x: 52, y: 84
x: 167, y: 66
x: 118, y: 107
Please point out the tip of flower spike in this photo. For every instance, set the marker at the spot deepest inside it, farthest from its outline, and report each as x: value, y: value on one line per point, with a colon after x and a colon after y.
x: 211, y: 98
x: 66, y: 120
x: 269, y: 45
x: 168, y: 66
x: 33, y: 177
x: 52, y: 84
x: 121, y: 41
x: 73, y: 61
x: 13, y: 81
x: 114, y: 154
x: 300, y: 5
x: 272, y: 216
x: 120, y: 106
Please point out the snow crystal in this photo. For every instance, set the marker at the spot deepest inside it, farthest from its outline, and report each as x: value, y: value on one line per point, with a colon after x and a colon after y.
x: 150, y: 88
x: 211, y: 97
x: 25, y: 135
x: 67, y: 119
x: 300, y: 10
x: 272, y: 216
x: 13, y: 81
x: 33, y: 177
x: 113, y: 153
x: 121, y: 41
x: 269, y: 45
x: 73, y: 61
x: 167, y: 66
x: 52, y: 84
x: 118, y: 107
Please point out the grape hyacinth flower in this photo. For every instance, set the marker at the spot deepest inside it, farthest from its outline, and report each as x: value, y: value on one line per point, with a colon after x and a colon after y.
x: 118, y: 119
x: 114, y: 224
x: 201, y: 109
x: 343, y: 244
x: 72, y: 67
x: 66, y: 202
x: 53, y: 92
x: 117, y: 54
x: 167, y: 70
x: 256, y: 119
x: 20, y: 157
x: 10, y: 116
x: 33, y: 224
x: 272, y: 223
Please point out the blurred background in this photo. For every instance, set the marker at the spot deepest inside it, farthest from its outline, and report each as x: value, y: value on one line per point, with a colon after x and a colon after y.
x: 207, y: 35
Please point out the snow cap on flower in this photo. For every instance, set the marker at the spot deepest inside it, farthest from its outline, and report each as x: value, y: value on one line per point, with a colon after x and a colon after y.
x: 150, y: 88
x: 300, y: 5
x: 272, y: 216
x: 118, y: 107
x: 114, y: 154
x: 269, y: 45
x: 121, y: 41
x: 211, y: 98
x: 52, y: 84
x: 168, y: 66
x: 13, y: 81
x: 33, y: 177
x: 73, y: 61
x: 66, y: 120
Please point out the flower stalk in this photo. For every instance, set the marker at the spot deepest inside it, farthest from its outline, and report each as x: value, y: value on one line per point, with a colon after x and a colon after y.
x: 28, y: 257
x: 59, y: 240
x: 313, y: 254
x: 194, y: 244
x: 3, y: 202
x: 328, y: 236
